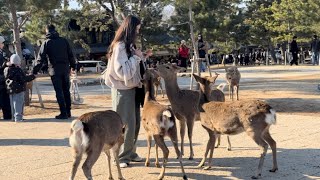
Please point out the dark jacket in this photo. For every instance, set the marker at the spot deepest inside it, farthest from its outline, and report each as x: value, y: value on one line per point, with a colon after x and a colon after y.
x: 202, y: 52
x: 315, y: 45
x: 294, y: 47
x: 2, y: 66
x: 56, y: 54
x: 16, y: 79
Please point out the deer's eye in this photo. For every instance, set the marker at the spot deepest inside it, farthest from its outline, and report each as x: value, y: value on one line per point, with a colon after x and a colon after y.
x: 167, y: 67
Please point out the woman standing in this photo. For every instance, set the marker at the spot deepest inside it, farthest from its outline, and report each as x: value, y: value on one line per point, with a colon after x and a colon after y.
x: 123, y: 76
x: 183, y: 54
x: 202, y: 52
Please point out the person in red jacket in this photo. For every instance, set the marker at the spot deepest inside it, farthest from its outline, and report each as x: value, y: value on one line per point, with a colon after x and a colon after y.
x: 183, y: 54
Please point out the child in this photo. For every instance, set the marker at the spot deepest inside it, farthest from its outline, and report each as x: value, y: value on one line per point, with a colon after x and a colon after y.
x: 16, y: 86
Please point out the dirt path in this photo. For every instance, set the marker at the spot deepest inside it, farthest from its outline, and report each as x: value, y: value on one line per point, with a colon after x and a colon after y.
x: 38, y: 148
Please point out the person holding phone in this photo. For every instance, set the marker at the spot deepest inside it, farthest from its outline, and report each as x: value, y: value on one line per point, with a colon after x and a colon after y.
x: 123, y: 76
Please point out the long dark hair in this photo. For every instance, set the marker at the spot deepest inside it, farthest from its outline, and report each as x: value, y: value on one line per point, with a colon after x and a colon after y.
x: 126, y: 33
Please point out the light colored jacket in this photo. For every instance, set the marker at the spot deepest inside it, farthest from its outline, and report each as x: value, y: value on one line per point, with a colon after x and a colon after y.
x: 122, y: 72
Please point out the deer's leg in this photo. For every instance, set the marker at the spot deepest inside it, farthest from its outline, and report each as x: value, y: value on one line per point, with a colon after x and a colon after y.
x: 182, y: 132
x: 116, y: 149
x: 147, y: 163
x: 267, y: 137
x: 218, y: 136
x: 190, y: 123
x: 156, y: 90
x: 232, y: 92
x: 229, y: 91
x: 257, y: 137
x: 209, y: 145
x: 173, y: 136
x: 161, y: 90
x: 92, y: 157
x: 107, y: 153
x: 76, y: 161
x: 237, y: 91
x: 212, y: 140
x: 160, y: 142
x: 157, y: 156
x: 229, y: 143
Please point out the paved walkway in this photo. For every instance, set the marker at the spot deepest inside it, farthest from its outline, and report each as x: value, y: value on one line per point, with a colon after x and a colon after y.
x: 39, y: 149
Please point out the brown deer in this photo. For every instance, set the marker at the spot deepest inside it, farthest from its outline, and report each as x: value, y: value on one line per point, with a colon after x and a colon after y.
x: 233, y: 78
x: 93, y: 132
x: 184, y: 103
x: 213, y: 94
x: 253, y: 117
x: 157, y: 83
x: 158, y: 121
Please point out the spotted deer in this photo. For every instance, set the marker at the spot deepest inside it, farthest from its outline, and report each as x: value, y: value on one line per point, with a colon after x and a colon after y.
x: 233, y: 79
x: 158, y: 120
x: 211, y: 93
x: 184, y: 103
x: 252, y: 116
x: 90, y: 134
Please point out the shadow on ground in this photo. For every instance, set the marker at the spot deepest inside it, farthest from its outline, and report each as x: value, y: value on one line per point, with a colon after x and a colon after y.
x: 34, y: 142
x: 296, y: 166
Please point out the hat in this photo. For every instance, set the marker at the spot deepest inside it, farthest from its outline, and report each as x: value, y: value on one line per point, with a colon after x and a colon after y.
x: 2, y: 39
x: 15, y: 59
x: 183, y: 42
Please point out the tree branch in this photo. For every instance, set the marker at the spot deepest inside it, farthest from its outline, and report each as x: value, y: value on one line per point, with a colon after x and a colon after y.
x: 24, y: 20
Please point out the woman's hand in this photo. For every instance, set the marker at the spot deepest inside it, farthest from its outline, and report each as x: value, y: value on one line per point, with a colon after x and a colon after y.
x: 138, y: 53
x: 148, y: 53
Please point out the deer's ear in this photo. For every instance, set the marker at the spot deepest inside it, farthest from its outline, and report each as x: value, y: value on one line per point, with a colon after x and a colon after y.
x: 212, y: 79
x: 198, y: 78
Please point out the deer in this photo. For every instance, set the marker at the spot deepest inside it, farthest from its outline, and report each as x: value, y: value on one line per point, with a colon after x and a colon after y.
x: 185, y: 103
x: 93, y: 132
x: 158, y: 120
x: 252, y: 116
x: 233, y: 79
x: 157, y: 83
x: 213, y: 94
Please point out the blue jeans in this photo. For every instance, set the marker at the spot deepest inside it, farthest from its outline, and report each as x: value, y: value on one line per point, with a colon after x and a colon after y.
x: 17, y: 104
x: 315, y: 58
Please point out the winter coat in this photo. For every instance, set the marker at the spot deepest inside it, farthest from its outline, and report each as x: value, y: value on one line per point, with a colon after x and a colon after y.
x: 294, y: 47
x: 2, y: 67
x: 201, y: 49
x: 56, y: 54
x: 315, y: 45
x: 16, y: 79
x: 183, y: 52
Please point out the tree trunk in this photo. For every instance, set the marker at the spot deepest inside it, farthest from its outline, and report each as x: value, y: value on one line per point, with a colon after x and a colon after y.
x: 16, y: 33
x: 191, y: 30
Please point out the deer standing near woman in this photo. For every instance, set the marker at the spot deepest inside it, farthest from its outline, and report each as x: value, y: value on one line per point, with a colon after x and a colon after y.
x: 253, y: 117
x: 184, y: 103
x: 90, y: 134
x: 158, y: 120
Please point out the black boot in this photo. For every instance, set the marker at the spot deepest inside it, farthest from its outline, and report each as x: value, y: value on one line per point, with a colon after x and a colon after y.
x: 62, y: 116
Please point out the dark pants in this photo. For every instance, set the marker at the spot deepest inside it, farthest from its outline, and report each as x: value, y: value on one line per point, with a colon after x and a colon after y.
x: 5, y: 104
x: 61, y: 84
x: 183, y: 62
x: 294, y: 58
x: 139, y: 101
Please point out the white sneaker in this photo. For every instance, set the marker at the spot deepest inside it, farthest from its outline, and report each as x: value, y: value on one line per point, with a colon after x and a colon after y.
x: 137, y: 159
x: 123, y: 165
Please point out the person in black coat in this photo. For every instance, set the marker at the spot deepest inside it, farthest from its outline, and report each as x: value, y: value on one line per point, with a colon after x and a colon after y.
x: 294, y: 49
x: 4, y: 96
x: 56, y: 54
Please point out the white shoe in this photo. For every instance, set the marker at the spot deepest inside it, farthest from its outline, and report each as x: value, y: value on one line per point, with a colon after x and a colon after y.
x: 123, y: 165
x: 137, y: 159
